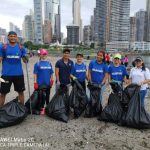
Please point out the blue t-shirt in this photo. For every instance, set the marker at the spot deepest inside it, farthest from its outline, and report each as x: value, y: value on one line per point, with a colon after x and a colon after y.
x: 79, y: 71
x: 97, y: 71
x: 11, y: 63
x: 117, y: 73
x: 64, y: 71
x: 44, y: 71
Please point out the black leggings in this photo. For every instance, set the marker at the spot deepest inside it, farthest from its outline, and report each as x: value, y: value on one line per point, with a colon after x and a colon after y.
x: 43, y: 96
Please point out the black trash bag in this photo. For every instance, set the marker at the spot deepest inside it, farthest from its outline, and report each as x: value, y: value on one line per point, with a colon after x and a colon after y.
x: 38, y: 99
x: 58, y: 106
x: 34, y: 101
x: 77, y: 99
x: 94, y: 107
x: 12, y: 113
x: 113, y: 111
x: 136, y: 115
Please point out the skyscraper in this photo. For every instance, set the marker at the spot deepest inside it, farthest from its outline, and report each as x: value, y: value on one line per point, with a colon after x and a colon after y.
x: 38, y: 21
x: 132, y: 29
x: 100, y: 20
x: 140, y: 25
x: 147, y: 35
x: 28, y: 28
x: 52, y: 13
x: 76, y: 11
x: 118, y: 20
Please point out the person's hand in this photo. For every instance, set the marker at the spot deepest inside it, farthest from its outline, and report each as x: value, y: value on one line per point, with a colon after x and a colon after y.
x: 74, y: 78
x: 25, y: 59
x: 51, y: 82
x: 36, y: 86
x: 57, y: 83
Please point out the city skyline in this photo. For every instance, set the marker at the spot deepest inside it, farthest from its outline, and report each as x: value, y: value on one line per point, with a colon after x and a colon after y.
x: 7, y: 13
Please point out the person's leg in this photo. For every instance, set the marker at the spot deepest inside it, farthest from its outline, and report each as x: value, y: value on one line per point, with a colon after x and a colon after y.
x: 47, y: 95
x: 19, y: 87
x: 21, y: 97
x: 5, y: 88
x: 142, y: 97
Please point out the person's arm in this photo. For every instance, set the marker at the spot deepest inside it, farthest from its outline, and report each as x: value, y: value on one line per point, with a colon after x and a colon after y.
x: 89, y: 72
x: 1, y: 58
x: 24, y: 55
x: 105, y: 75
x: 57, y: 74
x: 35, y: 78
x: 1, y: 53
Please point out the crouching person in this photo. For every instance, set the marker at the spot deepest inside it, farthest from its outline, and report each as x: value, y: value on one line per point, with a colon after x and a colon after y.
x: 43, y: 77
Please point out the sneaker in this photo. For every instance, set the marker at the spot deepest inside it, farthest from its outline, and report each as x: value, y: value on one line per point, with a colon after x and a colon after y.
x: 42, y: 112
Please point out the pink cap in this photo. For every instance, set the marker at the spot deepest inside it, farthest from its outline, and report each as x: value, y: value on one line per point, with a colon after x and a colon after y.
x: 43, y: 52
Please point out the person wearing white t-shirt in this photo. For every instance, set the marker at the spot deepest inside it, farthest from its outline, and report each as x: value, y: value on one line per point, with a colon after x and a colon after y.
x: 140, y: 75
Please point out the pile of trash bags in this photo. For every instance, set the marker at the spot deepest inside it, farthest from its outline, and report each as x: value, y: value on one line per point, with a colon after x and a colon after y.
x: 124, y: 108
x: 12, y: 113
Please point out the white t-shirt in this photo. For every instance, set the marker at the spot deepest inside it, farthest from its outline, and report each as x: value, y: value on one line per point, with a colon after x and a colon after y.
x: 138, y: 75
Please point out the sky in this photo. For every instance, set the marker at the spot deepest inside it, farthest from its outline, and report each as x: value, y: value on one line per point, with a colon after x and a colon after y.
x: 15, y: 10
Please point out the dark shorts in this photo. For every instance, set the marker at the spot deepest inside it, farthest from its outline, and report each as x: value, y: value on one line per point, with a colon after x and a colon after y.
x: 18, y: 82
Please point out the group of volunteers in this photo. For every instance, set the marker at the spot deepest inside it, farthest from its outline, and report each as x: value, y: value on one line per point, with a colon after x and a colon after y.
x: 97, y: 72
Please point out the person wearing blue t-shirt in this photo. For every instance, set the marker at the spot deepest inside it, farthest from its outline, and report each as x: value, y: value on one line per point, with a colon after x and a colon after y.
x: 12, y: 72
x: 117, y: 72
x: 79, y: 70
x: 98, y: 71
x: 43, y: 75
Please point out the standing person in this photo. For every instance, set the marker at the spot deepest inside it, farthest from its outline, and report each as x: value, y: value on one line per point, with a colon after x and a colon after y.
x: 79, y: 70
x: 10, y: 56
x: 63, y: 69
x: 43, y: 76
x: 98, y: 71
x: 107, y: 58
x: 125, y: 61
x: 140, y: 75
x: 117, y: 72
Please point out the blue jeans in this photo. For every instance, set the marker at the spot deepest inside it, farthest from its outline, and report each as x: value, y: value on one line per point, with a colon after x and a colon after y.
x: 142, y: 96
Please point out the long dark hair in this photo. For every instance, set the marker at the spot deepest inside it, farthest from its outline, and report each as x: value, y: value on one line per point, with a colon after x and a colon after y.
x: 143, y: 67
x: 102, y: 52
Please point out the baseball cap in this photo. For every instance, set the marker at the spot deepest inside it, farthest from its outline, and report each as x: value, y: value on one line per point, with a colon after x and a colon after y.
x: 12, y: 32
x: 139, y: 59
x: 117, y: 56
x: 79, y: 54
x: 43, y: 52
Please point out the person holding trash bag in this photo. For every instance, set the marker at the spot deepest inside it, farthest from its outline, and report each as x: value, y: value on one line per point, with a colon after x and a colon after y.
x: 79, y: 71
x: 98, y: 71
x: 63, y: 69
x: 97, y: 76
x: 12, y: 72
x: 43, y: 77
x: 117, y: 72
x: 140, y: 75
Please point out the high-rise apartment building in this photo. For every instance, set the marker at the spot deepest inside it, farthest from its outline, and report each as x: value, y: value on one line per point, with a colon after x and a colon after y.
x: 118, y: 20
x: 87, y: 35
x: 38, y: 22
x: 47, y: 31
x: 28, y: 28
x: 140, y: 25
x: 147, y: 29
x: 132, y: 29
x: 100, y: 20
x: 52, y: 13
x: 76, y: 11
x: 73, y: 35
x: 13, y: 27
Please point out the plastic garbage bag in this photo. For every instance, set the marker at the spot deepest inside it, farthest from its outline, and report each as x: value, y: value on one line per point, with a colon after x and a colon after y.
x: 136, y: 115
x: 94, y: 106
x: 113, y: 111
x: 12, y: 113
x: 58, y: 106
x: 77, y: 99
